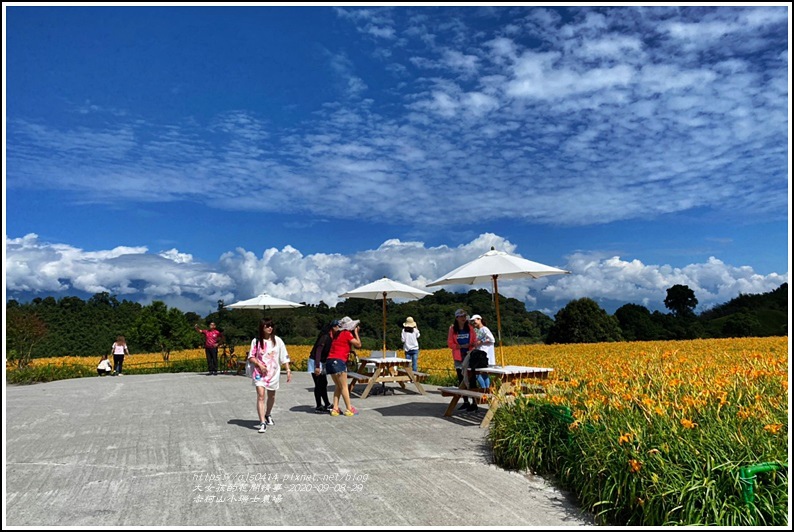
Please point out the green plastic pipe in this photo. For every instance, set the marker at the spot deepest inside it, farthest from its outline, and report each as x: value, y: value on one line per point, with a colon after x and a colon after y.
x: 747, y: 480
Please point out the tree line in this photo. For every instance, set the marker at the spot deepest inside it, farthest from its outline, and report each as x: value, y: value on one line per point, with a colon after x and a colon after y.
x: 72, y: 326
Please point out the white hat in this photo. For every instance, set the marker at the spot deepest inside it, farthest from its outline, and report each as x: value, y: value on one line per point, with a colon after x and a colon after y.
x: 475, y: 317
x: 409, y: 322
x: 460, y: 312
x: 348, y: 324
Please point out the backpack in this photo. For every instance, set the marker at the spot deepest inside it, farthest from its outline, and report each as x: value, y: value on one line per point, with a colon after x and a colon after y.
x: 478, y: 359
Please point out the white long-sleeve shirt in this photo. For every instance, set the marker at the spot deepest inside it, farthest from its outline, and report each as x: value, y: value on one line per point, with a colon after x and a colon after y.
x: 410, y: 340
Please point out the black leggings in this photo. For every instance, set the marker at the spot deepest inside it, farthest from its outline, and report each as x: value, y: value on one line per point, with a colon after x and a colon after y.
x: 118, y: 361
x: 459, y: 372
x: 321, y: 389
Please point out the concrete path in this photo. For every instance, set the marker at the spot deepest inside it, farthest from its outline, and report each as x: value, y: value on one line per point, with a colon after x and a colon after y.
x: 182, y: 450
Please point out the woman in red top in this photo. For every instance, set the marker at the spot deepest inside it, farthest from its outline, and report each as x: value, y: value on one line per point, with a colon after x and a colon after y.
x: 345, y: 339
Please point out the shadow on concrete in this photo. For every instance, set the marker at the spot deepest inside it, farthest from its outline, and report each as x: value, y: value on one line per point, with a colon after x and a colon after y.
x: 244, y: 423
x: 379, y: 389
x: 306, y: 409
x: 435, y: 410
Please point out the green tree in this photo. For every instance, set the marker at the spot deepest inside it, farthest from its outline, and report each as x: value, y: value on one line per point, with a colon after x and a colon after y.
x: 740, y: 325
x: 159, y: 328
x: 636, y: 323
x: 23, y: 331
x: 678, y: 327
x: 583, y: 321
x: 681, y: 300
x: 542, y: 322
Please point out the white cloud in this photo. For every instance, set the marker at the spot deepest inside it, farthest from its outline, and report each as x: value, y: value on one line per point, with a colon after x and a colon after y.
x: 613, y: 278
x: 375, y: 22
x: 611, y: 46
x: 613, y: 104
x: 456, y: 60
x: 34, y: 266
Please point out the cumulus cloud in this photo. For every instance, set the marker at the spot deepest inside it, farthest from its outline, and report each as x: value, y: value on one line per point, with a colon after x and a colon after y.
x: 34, y: 267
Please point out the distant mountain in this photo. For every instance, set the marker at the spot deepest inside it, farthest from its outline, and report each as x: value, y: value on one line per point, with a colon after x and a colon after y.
x: 750, y: 315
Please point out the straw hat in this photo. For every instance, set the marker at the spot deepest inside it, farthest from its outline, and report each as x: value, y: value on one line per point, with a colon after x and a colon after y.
x: 409, y: 322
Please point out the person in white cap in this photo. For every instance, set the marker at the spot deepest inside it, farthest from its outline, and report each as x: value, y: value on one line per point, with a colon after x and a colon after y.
x: 410, y: 338
x: 485, y: 338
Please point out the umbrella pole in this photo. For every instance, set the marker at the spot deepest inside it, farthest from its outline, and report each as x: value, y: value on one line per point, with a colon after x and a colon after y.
x: 384, y: 324
x: 498, y: 319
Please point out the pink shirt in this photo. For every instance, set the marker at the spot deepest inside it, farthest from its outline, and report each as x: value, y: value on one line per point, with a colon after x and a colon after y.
x: 273, y: 354
x: 210, y: 337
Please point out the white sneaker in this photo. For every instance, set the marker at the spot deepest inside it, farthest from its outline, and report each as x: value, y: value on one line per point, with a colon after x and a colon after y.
x: 262, y: 428
x: 269, y: 420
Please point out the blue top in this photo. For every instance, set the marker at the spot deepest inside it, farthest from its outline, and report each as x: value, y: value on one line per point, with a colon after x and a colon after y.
x: 463, y: 338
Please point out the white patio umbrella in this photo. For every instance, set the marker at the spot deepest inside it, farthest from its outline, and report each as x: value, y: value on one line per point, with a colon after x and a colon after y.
x: 264, y: 301
x: 385, y: 289
x: 494, y: 265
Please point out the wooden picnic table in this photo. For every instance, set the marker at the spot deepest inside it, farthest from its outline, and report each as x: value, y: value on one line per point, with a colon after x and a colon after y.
x: 387, y: 369
x: 511, y: 378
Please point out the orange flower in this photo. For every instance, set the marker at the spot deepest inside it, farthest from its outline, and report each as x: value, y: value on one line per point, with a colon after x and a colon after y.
x: 688, y: 424
x: 743, y: 413
x: 635, y: 465
x: 625, y: 438
x: 773, y: 428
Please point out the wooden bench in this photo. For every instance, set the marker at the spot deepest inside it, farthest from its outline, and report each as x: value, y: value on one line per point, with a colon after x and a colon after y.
x: 462, y: 392
x: 457, y: 393
x: 359, y: 378
x: 241, y: 366
x: 420, y: 376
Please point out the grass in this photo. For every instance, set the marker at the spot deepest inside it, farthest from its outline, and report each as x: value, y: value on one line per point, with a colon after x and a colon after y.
x: 659, y: 433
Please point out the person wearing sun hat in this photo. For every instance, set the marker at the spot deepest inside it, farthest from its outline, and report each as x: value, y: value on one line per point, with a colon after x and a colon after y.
x: 410, y: 338
x: 345, y: 338
x: 461, y: 339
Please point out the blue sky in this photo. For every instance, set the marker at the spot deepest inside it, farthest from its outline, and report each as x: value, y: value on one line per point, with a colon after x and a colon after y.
x: 190, y: 154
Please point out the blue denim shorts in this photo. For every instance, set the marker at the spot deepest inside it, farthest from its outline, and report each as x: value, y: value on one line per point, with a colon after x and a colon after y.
x: 334, y: 365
